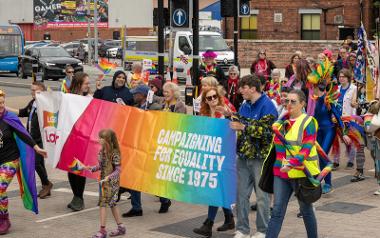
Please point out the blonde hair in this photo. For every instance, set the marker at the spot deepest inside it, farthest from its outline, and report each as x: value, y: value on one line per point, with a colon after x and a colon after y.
x: 173, y: 87
x: 210, y: 81
x: 2, y: 93
x: 112, y: 145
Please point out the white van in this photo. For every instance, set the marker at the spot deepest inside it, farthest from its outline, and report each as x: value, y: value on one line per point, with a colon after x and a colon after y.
x: 180, y: 57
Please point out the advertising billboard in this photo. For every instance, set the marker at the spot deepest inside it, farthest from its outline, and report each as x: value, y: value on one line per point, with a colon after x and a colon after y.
x: 63, y: 13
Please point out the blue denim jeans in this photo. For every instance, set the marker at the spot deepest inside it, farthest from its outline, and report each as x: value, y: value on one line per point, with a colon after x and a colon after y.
x: 212, y: 211
x: 249, y: 172
x: 283, y: 189
x: 136, y: 200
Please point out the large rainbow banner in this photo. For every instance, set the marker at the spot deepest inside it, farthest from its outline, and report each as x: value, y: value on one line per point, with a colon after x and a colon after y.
x: 182, y: 157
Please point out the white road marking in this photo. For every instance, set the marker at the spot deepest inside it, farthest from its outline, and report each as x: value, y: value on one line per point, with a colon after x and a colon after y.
x: 67, y: 190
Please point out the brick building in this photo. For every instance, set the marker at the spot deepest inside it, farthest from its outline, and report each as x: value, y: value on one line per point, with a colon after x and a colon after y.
x: 303, y: 19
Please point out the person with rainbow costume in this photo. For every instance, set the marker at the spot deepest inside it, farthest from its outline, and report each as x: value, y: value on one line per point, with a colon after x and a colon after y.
x: 323, y: 105
x: 17, y: 151
x: 297, y: 158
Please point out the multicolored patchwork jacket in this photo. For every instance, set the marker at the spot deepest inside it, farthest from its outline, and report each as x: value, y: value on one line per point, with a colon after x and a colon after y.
x: 256, y: 139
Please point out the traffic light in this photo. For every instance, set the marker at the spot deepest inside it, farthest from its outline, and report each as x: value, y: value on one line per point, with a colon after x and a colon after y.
x: 166, y: 17
x: 227, y: 8
x: 244, y: 8
x: 180, y: 13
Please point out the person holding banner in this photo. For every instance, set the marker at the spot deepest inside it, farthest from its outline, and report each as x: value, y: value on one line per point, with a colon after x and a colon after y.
x: 140, y: 94
x: 33, y: 127
x: 16, y: 151
x: 81, y: 86
x: 117, y: 92
x: 211, y: 100
x: 172, y: 100
x: 254, y: 126
x: 109, y: 166
x: 300, y: 130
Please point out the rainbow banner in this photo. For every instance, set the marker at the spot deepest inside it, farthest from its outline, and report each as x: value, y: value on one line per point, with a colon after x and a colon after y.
x: 182, y: 157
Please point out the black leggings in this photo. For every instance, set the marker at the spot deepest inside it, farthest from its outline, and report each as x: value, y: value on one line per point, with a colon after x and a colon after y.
x: 40, y: 169
x: 77, y: 184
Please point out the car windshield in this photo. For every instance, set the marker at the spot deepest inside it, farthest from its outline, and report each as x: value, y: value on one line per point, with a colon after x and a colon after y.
x: 53, y: 52
x: 211, y: 42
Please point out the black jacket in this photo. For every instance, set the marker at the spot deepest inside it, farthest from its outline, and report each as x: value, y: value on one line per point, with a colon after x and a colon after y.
x: 110, y: 94
x: 33, y: 127
x: 218, y: 74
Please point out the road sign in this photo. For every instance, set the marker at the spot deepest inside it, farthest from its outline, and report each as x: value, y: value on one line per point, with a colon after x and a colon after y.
x: 179, y: 17
x: 244, y: 8
x: 180, y: 13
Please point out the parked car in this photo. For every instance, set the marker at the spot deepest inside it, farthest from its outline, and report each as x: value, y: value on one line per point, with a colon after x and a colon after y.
x: 108, y: 45
x: 71, y: 47
x: 51, y: 62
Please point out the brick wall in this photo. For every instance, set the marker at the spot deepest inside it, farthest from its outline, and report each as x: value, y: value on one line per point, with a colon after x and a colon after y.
x: 290, y: 27
x: 68, y: 34
x: 280, y: 51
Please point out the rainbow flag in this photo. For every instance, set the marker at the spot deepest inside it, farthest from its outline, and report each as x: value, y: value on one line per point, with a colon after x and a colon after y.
x: 76, y: 166
x: 26, y: 173
x: 105, y: 66
x: 176, y: 156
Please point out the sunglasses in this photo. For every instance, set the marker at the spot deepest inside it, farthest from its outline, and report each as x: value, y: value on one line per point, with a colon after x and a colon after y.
x: 293, y: 102
x: 70, y: 72
x: 212, y: 97
x: 233, y: 73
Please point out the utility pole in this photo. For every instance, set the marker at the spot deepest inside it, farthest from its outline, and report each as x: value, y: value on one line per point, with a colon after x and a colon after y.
x: 196, y: 45
x: 161, y: 41
x: 89, y: 32
x: 96, y: 30
x: 236, y: 60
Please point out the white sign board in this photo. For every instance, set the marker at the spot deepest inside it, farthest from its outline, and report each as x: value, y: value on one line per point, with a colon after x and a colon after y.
x: 132, y: 14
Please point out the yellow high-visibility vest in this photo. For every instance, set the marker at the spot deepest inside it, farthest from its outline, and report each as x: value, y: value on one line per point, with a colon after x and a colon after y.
x: 294, y: 137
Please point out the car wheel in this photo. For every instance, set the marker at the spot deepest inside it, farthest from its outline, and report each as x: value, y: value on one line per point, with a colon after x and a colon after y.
x: 20, y: 73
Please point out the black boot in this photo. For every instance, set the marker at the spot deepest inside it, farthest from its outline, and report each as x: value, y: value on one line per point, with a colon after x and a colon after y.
x: 205, y: 229
x: 229, y: 223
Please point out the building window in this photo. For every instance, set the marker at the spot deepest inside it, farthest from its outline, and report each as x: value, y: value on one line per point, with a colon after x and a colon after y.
x: 248, y: 27
x: 311, y: 27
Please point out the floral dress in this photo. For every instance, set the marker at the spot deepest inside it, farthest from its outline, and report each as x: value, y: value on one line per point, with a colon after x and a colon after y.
x: 108, y: 189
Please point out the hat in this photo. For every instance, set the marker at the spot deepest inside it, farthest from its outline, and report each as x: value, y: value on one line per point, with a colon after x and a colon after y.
x: 157, y: 82
x: 328, y: 53
x: 141, y: 88
x: 209, y: 54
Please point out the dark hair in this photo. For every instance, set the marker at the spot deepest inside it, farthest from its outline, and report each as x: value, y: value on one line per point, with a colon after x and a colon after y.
x: 116, y: 74
x: 250, y: 80
x: 286, y: 89
x: 40, y: 85
x: 293, y: 56
x: 302, y: 70
x: 347, y: 73
x: 77, y: 82
x: 299, y: 93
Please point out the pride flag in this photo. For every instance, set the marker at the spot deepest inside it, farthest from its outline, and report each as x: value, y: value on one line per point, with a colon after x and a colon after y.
x: 182, y: 157
x: 26, y: 174
x: 105, y: 66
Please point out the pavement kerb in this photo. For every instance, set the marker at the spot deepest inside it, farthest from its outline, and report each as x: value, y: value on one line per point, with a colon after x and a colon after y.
x: 22, y: 85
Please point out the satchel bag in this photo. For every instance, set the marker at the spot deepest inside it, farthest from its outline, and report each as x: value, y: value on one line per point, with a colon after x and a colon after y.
x: 306, y: 192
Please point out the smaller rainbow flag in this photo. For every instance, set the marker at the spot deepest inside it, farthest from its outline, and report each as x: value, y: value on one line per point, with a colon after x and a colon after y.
x: 76, y: 166
x: 105, y: 66
x: 367, y: 119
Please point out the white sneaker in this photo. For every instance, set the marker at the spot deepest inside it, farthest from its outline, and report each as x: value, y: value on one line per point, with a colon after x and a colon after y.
x: 377, y: 192
x: 258, y: 235
x: 238, y: 234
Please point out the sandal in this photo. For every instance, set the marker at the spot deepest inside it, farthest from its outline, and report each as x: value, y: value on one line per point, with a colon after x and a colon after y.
x: 100, y: 235
x: 120, y: 231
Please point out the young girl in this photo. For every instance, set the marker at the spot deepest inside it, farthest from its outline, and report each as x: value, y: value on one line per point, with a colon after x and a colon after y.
x: 109, y: 166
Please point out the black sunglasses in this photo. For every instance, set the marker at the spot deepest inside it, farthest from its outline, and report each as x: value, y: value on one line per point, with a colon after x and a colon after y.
x: 70, y: 72
x: 212, y: 97
x: 293, y: 102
